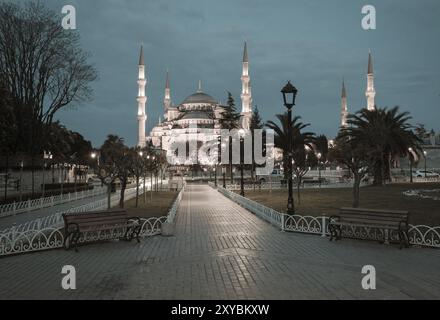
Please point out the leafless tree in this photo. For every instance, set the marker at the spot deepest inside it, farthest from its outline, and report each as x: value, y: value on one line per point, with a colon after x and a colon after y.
x: 43, y: 69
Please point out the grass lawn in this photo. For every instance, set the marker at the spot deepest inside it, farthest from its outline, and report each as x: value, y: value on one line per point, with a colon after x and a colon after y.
x: 158, y: 206
x: 316, y: 202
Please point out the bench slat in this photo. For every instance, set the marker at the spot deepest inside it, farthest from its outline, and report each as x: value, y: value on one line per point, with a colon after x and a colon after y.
x: 366, y: 215
x: 390, y: 227
x: 91, y: 219
x: 371, y: 218
x: 360, y: 210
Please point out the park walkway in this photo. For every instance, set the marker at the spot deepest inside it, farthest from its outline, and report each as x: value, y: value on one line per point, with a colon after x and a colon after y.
x: 221, y: 251
x: 6, y: 222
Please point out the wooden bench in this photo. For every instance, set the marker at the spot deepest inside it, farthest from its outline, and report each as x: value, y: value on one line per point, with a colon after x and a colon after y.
x: 371, y: 218
x: 112, y: 223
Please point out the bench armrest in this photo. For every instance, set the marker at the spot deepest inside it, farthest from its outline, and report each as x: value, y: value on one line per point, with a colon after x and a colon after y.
x: 138, y: 220
x: 74, y: 224
x: 334, y: 218
x: 405, y: 225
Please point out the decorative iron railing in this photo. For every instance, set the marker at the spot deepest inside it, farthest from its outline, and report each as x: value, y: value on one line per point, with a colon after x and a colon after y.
x: 270, y: 215
x: 173, y: 211
x: 38, y: 237
x: 276, y: 185
x: 14, y: 208
x: 53, y: 237
x: 420, y: 235
x: 56, y: 219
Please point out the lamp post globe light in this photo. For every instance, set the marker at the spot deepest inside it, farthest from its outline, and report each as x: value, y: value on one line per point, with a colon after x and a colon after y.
x: 46, y: 156
x: 410, y: 165
x: 319, y: 156
x: 424, y: 155
x: 289, y: 95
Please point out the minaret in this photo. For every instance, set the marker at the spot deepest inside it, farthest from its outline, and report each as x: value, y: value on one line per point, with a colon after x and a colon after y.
x: 344, y: 109
x: 167, y: 96
x: 370, y: 93
x: 142, y: 100
x: 246, y: 97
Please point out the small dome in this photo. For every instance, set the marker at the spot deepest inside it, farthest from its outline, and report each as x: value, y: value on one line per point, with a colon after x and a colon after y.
x: 200, y: 97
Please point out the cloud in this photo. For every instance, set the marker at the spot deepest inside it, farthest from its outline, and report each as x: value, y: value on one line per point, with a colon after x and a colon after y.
x: 312, y: 43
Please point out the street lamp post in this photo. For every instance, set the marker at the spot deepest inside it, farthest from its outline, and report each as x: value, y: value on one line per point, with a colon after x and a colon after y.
x: 319, y: 155
x: 138, y: 176
x: 410, y: 165
x: 45, y: 157
x: 94, y: 155
x: 424, y: 155
x: 223, y: 146
x: 218, y: 158
x: 289, y: 94
x: 151, y: 177
x: 21, y: 180
x: 241, y: 162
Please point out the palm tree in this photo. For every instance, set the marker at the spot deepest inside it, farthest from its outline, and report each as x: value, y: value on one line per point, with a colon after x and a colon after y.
x: 386, y: 133
x: 321, y: 144
x: 301, y: 141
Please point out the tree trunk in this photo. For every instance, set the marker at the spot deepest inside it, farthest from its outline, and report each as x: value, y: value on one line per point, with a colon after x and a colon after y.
x: 6, y: 177
x: 356, y: 190
x: 33, y: 174
x: 62, y: 180
x: 122, y: 199
x: 231, y: 174
x: 109, y: 196
x: 74, y: 179
x: 151, y: 186
x: 378, y: 173
x: 387, y: 162
x: 298, y: 187
x: 137, y: 191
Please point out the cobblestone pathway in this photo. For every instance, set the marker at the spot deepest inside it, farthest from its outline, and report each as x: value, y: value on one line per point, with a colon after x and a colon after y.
x: 221, y: 251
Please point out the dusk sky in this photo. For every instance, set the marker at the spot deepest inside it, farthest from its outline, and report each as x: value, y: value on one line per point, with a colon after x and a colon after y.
x: 312, y: 43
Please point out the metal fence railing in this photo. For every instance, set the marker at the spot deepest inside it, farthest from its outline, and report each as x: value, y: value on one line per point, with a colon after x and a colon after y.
x: 47, y: 233
x: 421, y: 235
x: 14, y: 208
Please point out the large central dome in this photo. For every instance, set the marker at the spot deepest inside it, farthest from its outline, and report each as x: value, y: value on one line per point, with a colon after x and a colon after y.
x: 199, y: 97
